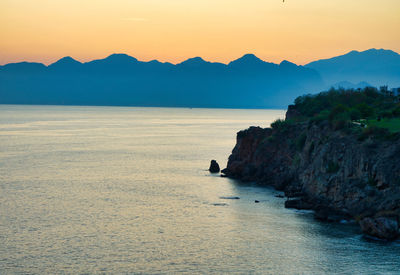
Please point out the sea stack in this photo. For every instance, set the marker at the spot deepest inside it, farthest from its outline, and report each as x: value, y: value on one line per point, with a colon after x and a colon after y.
x: 214, y: 167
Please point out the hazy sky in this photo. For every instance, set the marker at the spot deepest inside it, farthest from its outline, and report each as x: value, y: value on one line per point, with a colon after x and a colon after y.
x: 173, y: 30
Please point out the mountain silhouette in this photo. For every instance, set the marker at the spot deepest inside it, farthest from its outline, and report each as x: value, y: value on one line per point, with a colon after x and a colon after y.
x: 193, y: 62
x: 65, y: 64
x: 23, y: 67
x: 247, y: 82
x: 377, y: 67
x: 251, y: 63
x: 248, y: 60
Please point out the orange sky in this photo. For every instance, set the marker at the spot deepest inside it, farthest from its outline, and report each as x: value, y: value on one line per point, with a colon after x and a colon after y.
x: 174, y: 30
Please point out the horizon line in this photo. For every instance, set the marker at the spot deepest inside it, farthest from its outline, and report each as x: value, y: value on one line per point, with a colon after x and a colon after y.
x: 177, y: 63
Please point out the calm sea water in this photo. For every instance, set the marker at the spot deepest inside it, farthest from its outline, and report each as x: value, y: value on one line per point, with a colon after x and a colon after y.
x: 125, y: 190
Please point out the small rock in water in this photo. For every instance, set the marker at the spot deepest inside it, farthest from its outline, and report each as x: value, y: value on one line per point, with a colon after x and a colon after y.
x: 214, y: 167
x: 386, y: 228
x: 298, y: 204
x: 229, y: 198
x: 256, y: 201
x: 220, y: 204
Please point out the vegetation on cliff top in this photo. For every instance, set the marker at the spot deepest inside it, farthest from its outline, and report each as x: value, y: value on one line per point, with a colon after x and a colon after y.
x: 367, y: 112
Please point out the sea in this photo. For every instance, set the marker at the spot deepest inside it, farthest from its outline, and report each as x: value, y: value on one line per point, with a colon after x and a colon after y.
x: 125, y: 190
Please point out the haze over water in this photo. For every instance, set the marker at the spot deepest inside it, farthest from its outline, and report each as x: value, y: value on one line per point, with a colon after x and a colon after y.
x: 125, y: 190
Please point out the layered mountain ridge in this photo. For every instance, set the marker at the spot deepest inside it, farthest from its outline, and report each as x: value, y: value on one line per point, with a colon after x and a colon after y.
x: 247, y: 82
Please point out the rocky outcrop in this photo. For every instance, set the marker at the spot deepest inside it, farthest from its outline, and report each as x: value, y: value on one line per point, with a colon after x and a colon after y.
x: 292, y: 112
x: 214, y: 167
x: 331, y: 172
x: 381, y: 227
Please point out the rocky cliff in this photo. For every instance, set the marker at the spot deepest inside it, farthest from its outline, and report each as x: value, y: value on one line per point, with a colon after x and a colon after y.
x: 334, y: 172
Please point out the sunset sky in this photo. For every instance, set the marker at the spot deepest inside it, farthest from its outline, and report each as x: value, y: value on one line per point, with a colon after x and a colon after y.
x: 174, y: 30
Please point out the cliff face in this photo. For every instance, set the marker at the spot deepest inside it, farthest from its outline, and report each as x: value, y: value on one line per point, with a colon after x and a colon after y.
x: 332, y: 172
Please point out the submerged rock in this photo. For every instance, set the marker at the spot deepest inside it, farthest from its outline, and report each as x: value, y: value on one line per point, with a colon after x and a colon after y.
x: 220, y: 204
x: 386, y: 228
x: 214, y: 167
x: 229, y: 198
x: 298, y: 204
x: 330, y: 215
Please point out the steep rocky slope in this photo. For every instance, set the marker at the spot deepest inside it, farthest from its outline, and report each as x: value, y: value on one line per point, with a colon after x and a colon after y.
x: 330, y: 171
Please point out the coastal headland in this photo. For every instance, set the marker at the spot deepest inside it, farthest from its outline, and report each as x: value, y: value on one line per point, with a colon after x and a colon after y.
x: 336, y: 153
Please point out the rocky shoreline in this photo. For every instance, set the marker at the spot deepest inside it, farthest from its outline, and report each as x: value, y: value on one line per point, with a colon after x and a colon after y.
x: 329, y: 171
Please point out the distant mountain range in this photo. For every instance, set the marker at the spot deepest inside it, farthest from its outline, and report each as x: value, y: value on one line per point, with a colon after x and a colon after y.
x: 377, y: 67
x: 247, y: 82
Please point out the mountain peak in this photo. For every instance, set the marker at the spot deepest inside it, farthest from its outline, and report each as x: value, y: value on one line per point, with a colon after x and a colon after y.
x: 286, y: 63
x: 120, y: 57
x: 115, y: 59
x: 193, y: 61
x: 377, y: 50
x: 154, y: 62
x: 248, y: 58
x: 353, y: 52
x: 67, y: 60
x: 373, y: 51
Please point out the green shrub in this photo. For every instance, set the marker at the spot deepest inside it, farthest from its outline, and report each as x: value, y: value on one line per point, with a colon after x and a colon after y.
x: 341, y: 106
x: 281, y: 124
x: 363, y: 103
x: 386, y: 114
x: 396, y: 112
x: 322, y: 116
x: 338, y: 111
x: 339, y: 117
x: 365, y: 110
x: 341, y: 121
x: 355, y: 114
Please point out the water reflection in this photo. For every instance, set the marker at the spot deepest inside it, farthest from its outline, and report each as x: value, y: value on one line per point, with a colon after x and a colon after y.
x: 125, y: 190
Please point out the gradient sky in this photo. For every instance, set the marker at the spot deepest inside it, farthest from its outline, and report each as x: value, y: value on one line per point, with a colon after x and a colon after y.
x: 174, y: 30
